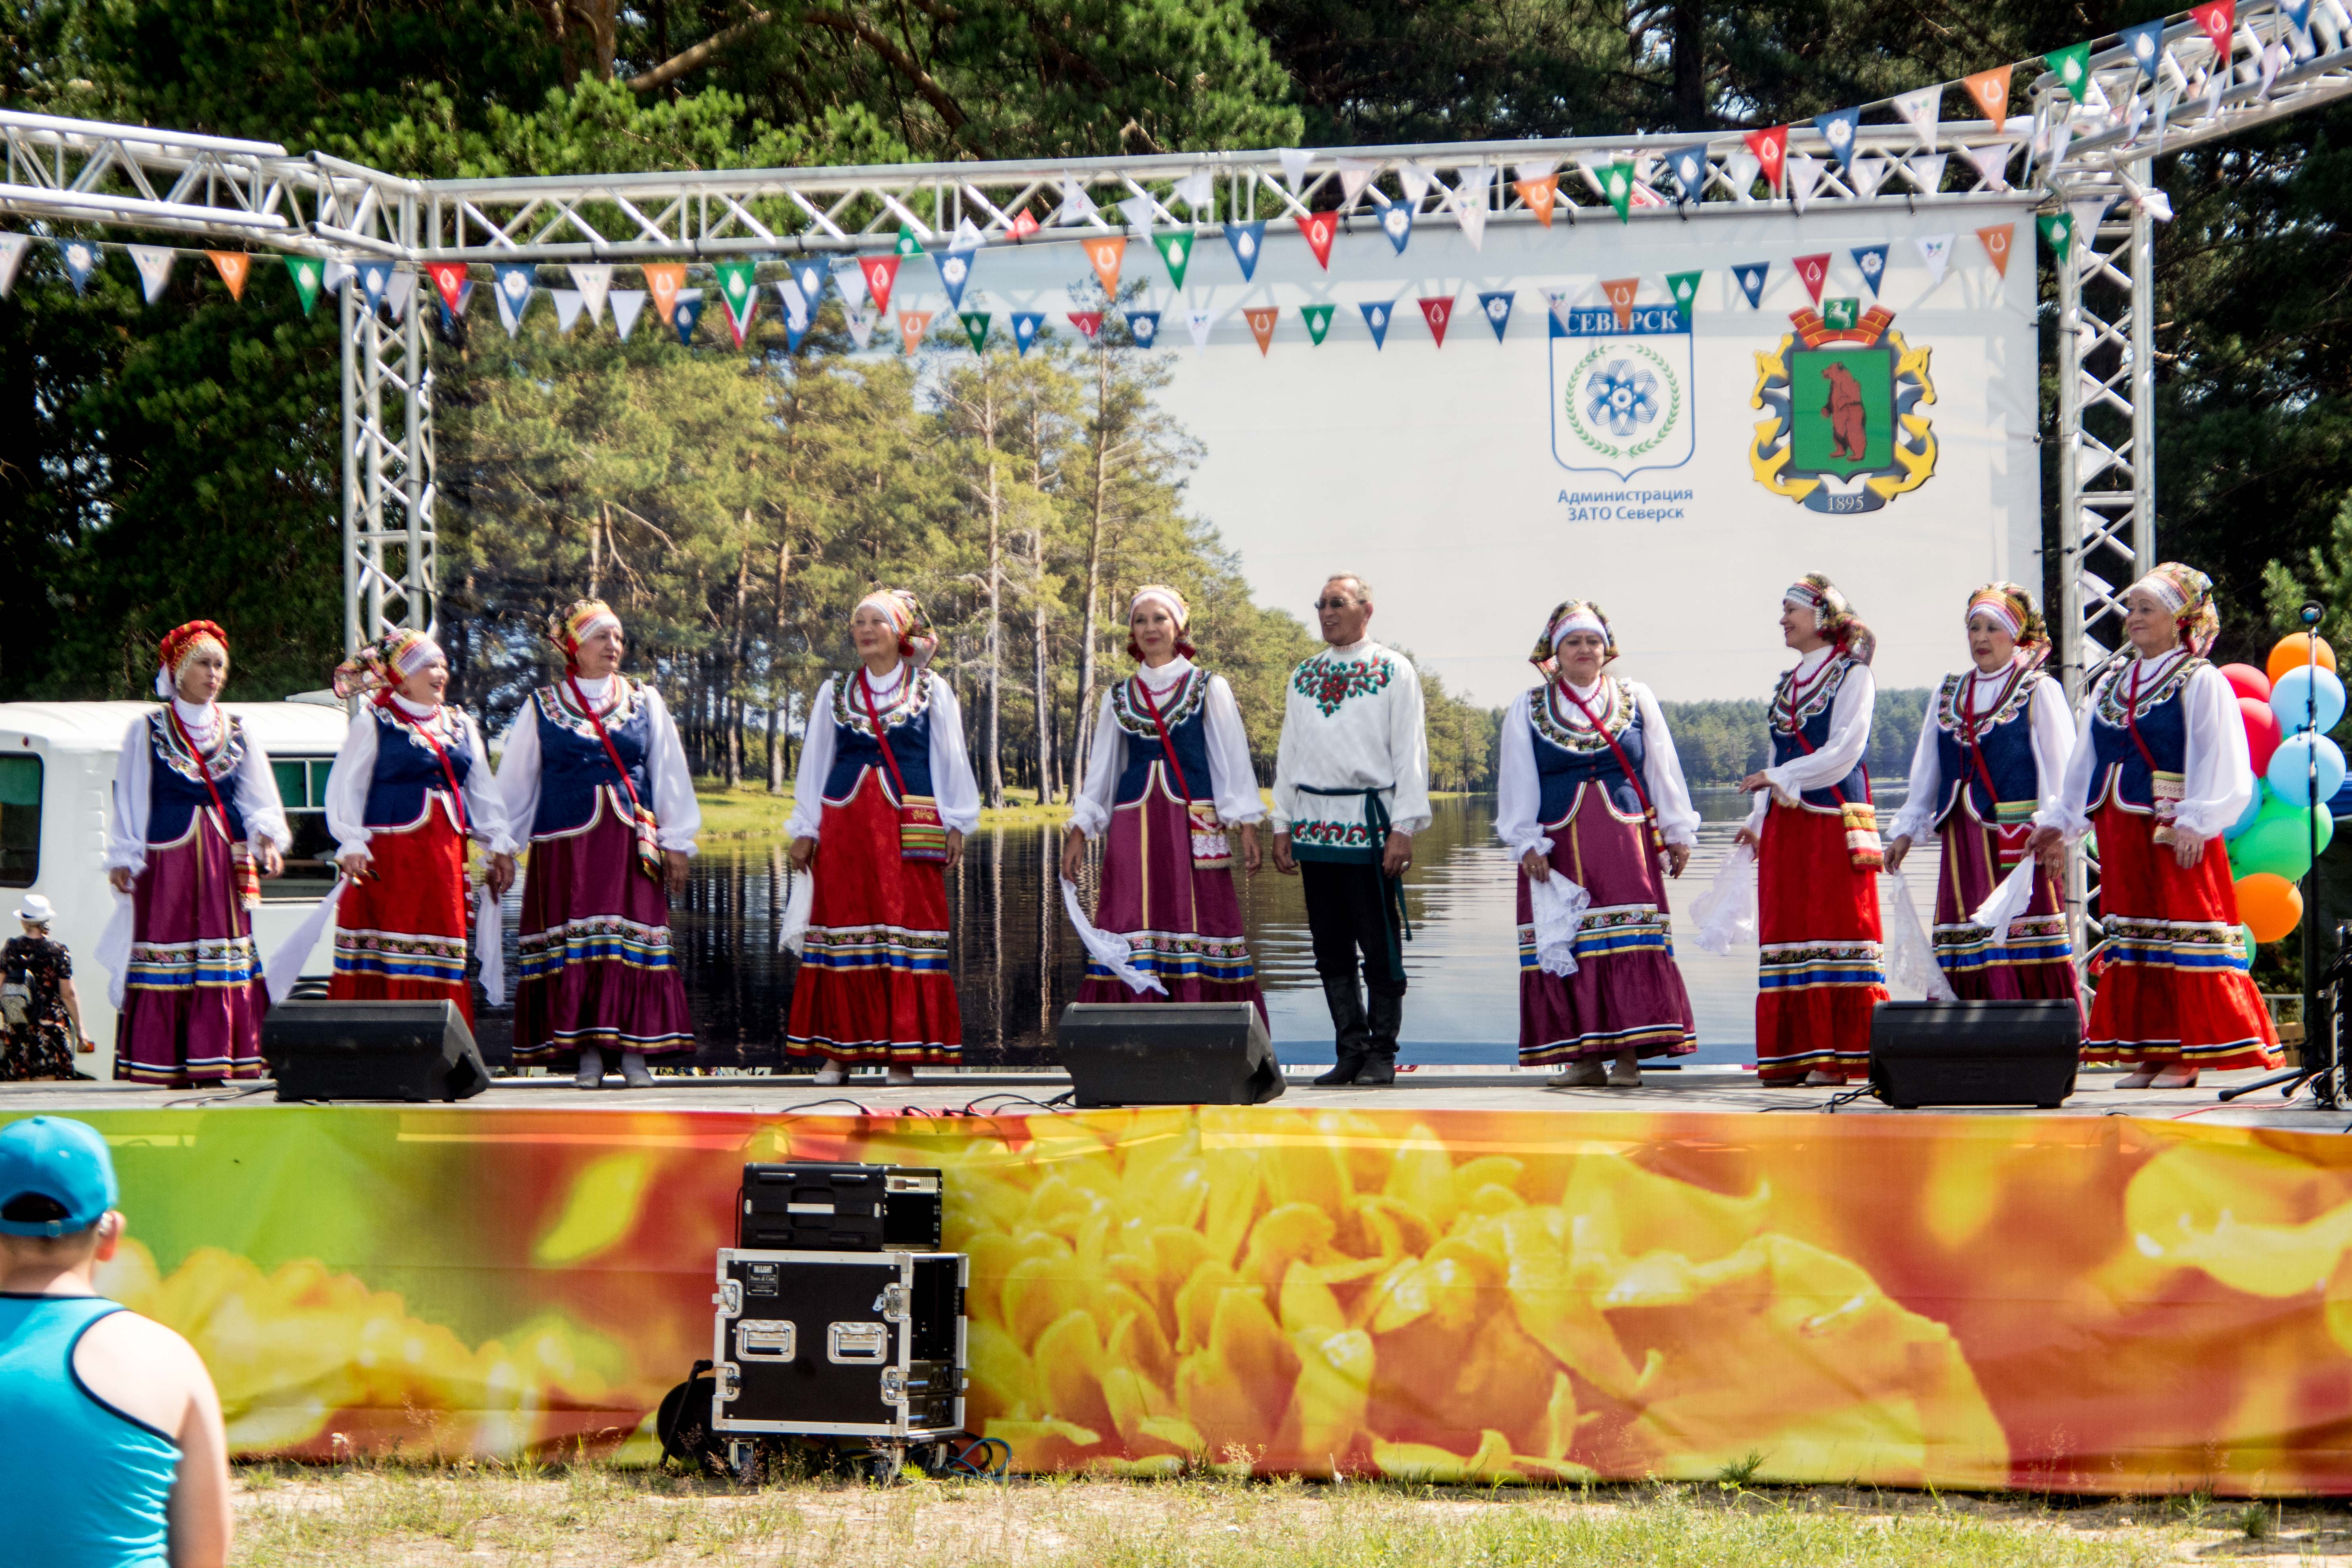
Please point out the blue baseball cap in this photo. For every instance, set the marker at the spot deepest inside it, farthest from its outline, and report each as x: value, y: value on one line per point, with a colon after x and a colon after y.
x: 62, y: 1161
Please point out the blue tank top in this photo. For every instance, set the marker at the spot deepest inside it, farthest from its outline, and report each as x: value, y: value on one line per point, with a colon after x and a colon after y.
x: 1569, y: 753
x: 2003, y: 741
x: 87, y: 1485
x: 906, y: 722
x: 1185, y: 712
x: 406, y: 771
x: 1807, y: 712
x: 2160, y: 717
x: 177, y: 780
x: 573, y: 765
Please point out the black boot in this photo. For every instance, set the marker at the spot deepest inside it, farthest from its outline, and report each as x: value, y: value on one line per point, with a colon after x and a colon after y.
x: 1351, y: 1035
x: 1379, y: 1058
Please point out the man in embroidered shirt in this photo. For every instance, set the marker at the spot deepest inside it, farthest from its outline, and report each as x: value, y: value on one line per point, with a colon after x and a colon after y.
x: 1350, y: 789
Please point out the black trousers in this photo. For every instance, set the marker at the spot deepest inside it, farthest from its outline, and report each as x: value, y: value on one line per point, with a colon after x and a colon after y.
x: 1347, y: 914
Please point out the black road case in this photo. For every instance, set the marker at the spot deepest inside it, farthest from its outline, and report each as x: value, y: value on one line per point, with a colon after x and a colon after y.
x: 856, y: 1345
x: 838, y: 1207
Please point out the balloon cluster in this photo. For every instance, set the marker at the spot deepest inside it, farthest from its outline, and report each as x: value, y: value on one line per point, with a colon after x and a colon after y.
x: 2288, y: 711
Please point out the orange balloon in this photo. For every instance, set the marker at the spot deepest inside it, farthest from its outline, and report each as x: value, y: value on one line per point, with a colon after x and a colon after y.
x: 2269, y: 904
x: 2294, y: 651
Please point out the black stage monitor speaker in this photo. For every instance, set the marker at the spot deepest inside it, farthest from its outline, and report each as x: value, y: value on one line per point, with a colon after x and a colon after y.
x: 1974, y: 1053
x: 412, y: 1051
x: 1168, y: 1053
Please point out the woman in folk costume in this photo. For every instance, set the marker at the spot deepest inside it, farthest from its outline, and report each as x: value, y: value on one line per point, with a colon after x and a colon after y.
x: 1821, y: 969
x: 594, y: 770
x: 884, y: 798
x: 1592, y: 799
x: 1991, y: 754
x: 2159, y: 768
x: 196, y: 823
x: 1169, y: 776
x: 411, y: 784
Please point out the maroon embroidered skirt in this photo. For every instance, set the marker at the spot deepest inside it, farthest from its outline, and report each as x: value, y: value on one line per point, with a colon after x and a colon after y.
x: 594, y: 960
x: 2037, y: 961
x: 1626, y: 994
x: 1181, y: 923
x: 192, y: 999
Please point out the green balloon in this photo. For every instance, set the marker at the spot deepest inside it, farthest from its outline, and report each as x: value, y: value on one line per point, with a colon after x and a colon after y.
x: 2247, y: 944
x: 2280, y: 840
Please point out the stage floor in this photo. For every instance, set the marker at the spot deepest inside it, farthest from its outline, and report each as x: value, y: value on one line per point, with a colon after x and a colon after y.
x: 1707, y: 1088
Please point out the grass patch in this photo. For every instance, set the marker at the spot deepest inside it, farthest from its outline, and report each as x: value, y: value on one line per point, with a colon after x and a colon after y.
x: 404, y: 1516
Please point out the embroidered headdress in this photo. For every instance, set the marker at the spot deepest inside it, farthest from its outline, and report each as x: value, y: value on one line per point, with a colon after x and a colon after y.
x: 917, y: 640
x: 1833, y: 616
x: 2188, y: 595
x: 386, y: 662
x: 179, y: 645
x: 567, y: 629
x: 1173, y: 603
x: 2009, y: 606
x: 1571, y: 615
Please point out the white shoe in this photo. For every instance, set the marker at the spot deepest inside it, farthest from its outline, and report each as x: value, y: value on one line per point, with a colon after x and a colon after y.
x: 900, y: 1078
x: 1820, y: 1079
x: 2138, y: 1077
x: 2176, y: 1076
x: 1579, y: 1074
x: 830, y: 1074
x: 633, y: 1071
x: 1625, y: 1075
x: 592, y: 1070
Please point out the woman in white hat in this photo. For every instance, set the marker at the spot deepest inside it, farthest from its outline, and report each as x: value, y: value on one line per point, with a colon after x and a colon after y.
x: 40, y: 1015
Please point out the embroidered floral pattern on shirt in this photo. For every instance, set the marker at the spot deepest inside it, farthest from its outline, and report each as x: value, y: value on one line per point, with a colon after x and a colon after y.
x: 1333, y: 835
x: 2011, y: 702
x: 2117, y: 688
x: 218, y: 762
x: 1793, y: 705
x: 1557, y: 720
x: 444, y: 725
x: 556, y: 702
x: 912, y: 698
x: 1329, y: 682
x: 1178, y: 705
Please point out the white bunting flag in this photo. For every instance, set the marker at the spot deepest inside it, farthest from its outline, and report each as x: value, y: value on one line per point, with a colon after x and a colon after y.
x: 1535, y: 171
x: 1742, y: 169
x: 796, y: 310
x: 861, y: 323
x: 594, y: 283
x: 13, y: 247
x: 967, y: 235
x: 1293, y: 165
x: 1922, y: 110
x: 2135, y: 116
x: 1991, y: 161
x: 1139, y: 211
x: 1197, y: 189
x: 1936, y: 250
x: 1468, y: 198
x: 568, y: 303
x: 337, y: 274
x: 1076, y: 205
x: 1416, y: 181
x: 1926, y: 174
x: 850, y: 279
x: 626, y: 305
x: 399, y: 292
x: 1867, y: 174
x: 2088, y: 215
x: 1804, y: 175
x: 154, y: 264
x: 2169, y: 74
x: 2274, y: 61
x: 1355, y: 174
x: 1198, y: 324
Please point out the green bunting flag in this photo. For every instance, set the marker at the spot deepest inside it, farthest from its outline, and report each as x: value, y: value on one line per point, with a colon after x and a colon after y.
x: 1683, y: 287
x: 736, y: 284
x: 2073, y: 65
x: 307, y: 272
x: 907, y: 243
x: 2057, y: 233
x: 1617, y: 183
x: 976, y: 327
x: 1176, y: 251
x: 1319, y: 320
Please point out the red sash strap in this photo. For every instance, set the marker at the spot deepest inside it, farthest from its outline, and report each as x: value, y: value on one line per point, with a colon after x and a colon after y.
x: 651, y: 862
x: 1968, y: 729
x: 203, y: 769
x: 1649, y: 812
x: 2131, y: 723
x: 449, y: 769
x: 1167, y: 745
x: 1797, y: 734
x: 874, y: 717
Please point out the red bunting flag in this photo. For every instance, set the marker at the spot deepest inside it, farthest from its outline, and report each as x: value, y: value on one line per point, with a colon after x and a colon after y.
x: 1318, y: 228
x: 1437, y: 313
x: 2219, y: 19
x: 1262, y: 319
x: 1088, y: 322
x: 1989, y: 90
x: 665, y: 280
x: 1023, y: 224
x: 448, y: 277
x: 1996, y: 241
x: 912, y: 325
x: 1771, y: 150
x: 881, y: 275
x: 1815, y: 271
x: 1106, y: 253
x: 1537, y: 196
x: 1619, y: 292
x: 236, y: 264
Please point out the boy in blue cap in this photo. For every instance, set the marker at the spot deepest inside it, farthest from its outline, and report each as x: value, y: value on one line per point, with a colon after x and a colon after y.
x: 113, y: 1413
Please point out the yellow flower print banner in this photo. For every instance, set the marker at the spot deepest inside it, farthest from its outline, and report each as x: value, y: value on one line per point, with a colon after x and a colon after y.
x: 2072, y: 1304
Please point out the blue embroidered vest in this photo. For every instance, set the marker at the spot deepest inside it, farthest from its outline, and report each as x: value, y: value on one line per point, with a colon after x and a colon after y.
x: 175, y: 787
x: 2162, y: 720
x: 1185, y: 712
x: 906, y: 722
x: 406, y: 771
x: 2004, y: 740
x: 1569, y: 753
x: 1808, y: 715
x: 573, y: 767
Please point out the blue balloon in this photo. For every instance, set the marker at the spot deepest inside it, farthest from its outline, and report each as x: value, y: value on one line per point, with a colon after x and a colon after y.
x: 2253, y: 809
x: 2290, y: 769
x: 2291, y: 700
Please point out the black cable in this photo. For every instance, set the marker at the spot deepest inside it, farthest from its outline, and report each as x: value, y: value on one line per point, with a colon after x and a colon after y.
x: 1067, y: 1097
x: 813, y: 1104
x: 223, y: 1098
x: 972, y: 1107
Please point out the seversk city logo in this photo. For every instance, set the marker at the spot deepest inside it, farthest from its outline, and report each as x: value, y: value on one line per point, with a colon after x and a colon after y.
x: 1620, y: 384
x: 1844, y: 432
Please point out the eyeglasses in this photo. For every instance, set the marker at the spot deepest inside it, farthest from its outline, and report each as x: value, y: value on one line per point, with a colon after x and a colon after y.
x: 1334, y: 603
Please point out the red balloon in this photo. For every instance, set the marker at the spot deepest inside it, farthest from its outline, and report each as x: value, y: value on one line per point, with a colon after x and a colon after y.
x: 2262, y: 731
x: 2247, y: 681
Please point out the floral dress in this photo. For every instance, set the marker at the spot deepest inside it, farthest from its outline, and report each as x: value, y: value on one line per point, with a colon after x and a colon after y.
x: 43, y: 1047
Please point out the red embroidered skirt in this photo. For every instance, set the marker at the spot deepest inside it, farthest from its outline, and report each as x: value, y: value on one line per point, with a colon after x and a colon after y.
x: 2172, y: 985
x: 1626, y: 994
x: 873, y: 984
x: 192, y: 999
x: 593, y: 958
x: 1181, y: 923
x: 2037, y: 961
x: 1821, y: 970
x: 400, y: 934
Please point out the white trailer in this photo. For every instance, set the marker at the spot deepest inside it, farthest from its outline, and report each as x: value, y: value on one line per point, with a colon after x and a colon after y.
x: 56, y: 784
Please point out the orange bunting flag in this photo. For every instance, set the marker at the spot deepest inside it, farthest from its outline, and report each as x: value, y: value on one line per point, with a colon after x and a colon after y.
x: 1437, y: 313
x: 1989, y: 90
x: 665, y: 280
x: 234, y: 265
x: 2219, y: 19
x: 1537, y: 196
x: 1996, y: 241
x: 1619, y: 292
x: 1771, y: 151
x: 912, y: 325
x: 1262, y: 319
x: 1318, y: 228
x: 1815, y: 271
x: 1106, y: 253
x: 448, y: 280
x: 880, y: 272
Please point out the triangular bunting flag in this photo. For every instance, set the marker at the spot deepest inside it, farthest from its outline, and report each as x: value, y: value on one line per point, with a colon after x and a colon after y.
x: 337, y: 274
x: 1197, y: 189
x: 685, y: 311
x: 1871, y: 260
x: 448, y: 280
x: 1620, y: 293
x: 955, y: 272
x: 1805, y: 172
x: 1936, y: 250
x: 233, y: 267
x: 1105, y: 253
x: 399, y: 296
x: 1617, y: 184
x: 2058, y: 233
x: 1318, y: 322
x: 1867, y: 174
x: 976, y: 327
x: 1396, y: 222
x: 739, y: 322
x: 1318, y: 228
x: 594, y: 283
x: 1437, y: 313
x: 1921, y: 110
x: 2073, y: 67
x: 154, y: 264
x: 912, y: 325
x: 1089, y: 324
x: 14, y: 246
x: 1295, y: 164
x: 1175, y: 254
x: 450, y: 318
x: 81, y: 258
x: 2144, y: 41
x: 1815, y: 271
x: 1248, y: 239
x: 1838, y: 127
x: 907, y: 243
x: 1683, y: 287
x: 627, y: 305
x: 798, y: 316
x: 1415, y: 180
x: 1378, y: 313
x: 1996, y: 241
x: 1751, y: 276
x: 568, y: 303
x: 663, y: 282
x: 1771, y: 151
x: 859, y: 319
x: 880, y: 274
x: 1925, y: 172
x: 1991, y: 161
x: 739, y: 291
x: 849, y: 277
x: 512, y: 290
x: 1026, y: 325
x: 1355, y: 174
x: 2088, y: 214
x: 1143, y: 326
x: 1537, y: 196
x: 1470, y: 208
x: 2219, y: 19
x: 307, y: 272
x: 1689, y: 167
x: 375, y: 279
x: 1198, y: 324
x: 809, y: 275
x: 1076, y: 205
x: 1989, y: 90
x: 1740, y: 171
x: 2276, y: 56
x: 967, y: 235
x: 1497, y: 303
x: 1261, y: 318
